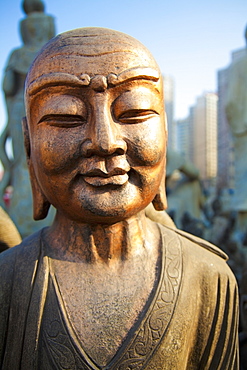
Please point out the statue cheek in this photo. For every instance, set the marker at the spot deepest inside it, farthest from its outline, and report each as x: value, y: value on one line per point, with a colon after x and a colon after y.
x: 148, y: 148
x: 55, y: 156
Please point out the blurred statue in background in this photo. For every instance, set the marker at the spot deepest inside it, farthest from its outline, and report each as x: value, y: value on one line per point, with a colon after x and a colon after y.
x: 184, y: 194
x: 236, y: 112
x: 36, y: 29
x: 222, y: 231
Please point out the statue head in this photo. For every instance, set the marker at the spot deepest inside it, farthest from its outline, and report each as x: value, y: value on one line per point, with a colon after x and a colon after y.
x: 31, y: 6
x: 95, y: 132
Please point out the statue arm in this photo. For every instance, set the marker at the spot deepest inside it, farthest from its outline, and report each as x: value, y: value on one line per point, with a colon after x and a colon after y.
x: 9, y: 82
x: 6, y: 162
x: 18, y: 267
x: 216, y: 324
x: 6, y: 278
x: 221, y: 351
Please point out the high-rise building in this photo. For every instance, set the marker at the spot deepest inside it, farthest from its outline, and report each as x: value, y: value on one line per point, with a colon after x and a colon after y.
x: 184, y: 137
x: 169, y: 86
x: 205, y: 137
x: 191, y: 133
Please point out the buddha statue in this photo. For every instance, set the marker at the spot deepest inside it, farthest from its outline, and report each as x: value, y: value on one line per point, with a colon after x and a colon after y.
x: 105, y: 287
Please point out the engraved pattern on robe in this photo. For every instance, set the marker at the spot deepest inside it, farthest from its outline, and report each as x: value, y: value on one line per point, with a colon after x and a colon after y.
x: 191, y: 322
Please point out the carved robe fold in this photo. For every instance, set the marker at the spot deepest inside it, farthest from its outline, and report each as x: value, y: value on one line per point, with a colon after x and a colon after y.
x: 190, y: 322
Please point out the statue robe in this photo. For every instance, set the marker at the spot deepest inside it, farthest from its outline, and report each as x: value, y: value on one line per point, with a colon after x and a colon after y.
x: 190, y: 322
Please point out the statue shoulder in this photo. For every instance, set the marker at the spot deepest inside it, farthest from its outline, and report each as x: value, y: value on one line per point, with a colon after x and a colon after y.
x: 17, y: 270
x: 21, y: 255
x: 198, y: 241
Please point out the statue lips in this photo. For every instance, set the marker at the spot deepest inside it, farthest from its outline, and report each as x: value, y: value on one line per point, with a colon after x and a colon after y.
x: 97, y: 177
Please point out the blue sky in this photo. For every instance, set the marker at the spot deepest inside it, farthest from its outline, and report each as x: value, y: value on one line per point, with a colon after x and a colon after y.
x: 190, y: 40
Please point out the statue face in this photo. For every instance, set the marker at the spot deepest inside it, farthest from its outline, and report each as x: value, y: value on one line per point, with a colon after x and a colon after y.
x: 98, y: 140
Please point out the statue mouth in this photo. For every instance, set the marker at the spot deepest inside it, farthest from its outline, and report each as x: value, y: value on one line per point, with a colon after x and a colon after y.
x: 97, y: 177
x: 102, y: 181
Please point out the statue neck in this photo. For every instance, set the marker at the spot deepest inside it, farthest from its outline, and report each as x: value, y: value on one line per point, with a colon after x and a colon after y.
x: 90, y: 243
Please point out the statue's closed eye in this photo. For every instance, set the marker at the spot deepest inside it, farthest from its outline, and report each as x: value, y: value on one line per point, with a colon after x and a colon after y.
x: 136, y: 105
x: 65, y: 120
x: 136, y: 115
x: 62, y: 110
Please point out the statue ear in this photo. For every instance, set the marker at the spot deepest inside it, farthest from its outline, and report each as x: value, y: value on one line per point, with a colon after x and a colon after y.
x: 40, y: 204
x: 26, y: 137
x: 160, y: 200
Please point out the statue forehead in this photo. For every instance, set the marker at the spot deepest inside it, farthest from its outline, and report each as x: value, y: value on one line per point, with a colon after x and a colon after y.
x: 92, y: 51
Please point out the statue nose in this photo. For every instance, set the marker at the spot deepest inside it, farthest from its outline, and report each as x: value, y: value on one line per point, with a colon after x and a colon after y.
x: 105, y: 136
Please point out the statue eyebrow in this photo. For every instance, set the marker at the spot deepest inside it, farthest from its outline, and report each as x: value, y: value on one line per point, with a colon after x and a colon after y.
x: 61, y: 78
x: 54, y: 79
x: 133, y: 74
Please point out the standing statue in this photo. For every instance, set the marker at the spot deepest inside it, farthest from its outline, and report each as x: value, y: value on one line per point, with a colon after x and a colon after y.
x: 36, y: 29
x: 236, y: 112
x: 105, y: 287
x: 184, y: 192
